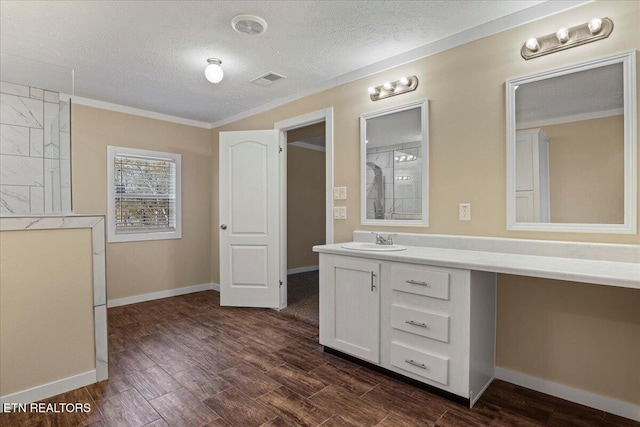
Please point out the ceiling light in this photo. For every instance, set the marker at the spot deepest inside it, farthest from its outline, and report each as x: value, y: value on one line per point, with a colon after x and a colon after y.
x: 249, y: 24
x: 214, y: 72
x: 532, y: 44
x: 562, y: 34
x: 404, y: 81
x: 387, y: 86
x: 595, y: 25
x: 373, y: 90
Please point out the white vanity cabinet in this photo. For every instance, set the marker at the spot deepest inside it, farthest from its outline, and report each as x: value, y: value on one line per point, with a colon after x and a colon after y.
x: 532, y: 176
x: 350, y: 306
x: 432, y: 324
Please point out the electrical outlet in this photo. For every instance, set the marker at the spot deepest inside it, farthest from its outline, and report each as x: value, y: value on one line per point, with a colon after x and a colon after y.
x: 465, y: 211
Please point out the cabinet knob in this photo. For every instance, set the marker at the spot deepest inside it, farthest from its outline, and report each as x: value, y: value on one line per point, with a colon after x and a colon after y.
x: 223, y: 226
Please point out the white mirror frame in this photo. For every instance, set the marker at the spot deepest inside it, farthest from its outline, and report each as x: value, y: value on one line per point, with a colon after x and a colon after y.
x: 424, y: 114
x: 628, y: 60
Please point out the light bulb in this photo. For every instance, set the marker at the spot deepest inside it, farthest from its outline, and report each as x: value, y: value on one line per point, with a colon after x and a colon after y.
x: 595, y: 25
x: 532, y: 44
x: 373, y: 90
x: 562, y: 34
x: 214, y: 72
x: 404, y: 81
x: 387, y: 86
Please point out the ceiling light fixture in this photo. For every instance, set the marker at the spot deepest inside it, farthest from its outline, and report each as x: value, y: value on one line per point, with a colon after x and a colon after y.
x: 402, y: 85
x: 214, y: 72
x: 565, y: 38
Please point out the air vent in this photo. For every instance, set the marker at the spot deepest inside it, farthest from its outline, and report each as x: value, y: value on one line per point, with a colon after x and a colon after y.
x: 249, y: 24
x: 267, y: 79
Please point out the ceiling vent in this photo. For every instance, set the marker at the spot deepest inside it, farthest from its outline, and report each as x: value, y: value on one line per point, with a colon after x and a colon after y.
x: 267, y: 79
x: 249, y: 24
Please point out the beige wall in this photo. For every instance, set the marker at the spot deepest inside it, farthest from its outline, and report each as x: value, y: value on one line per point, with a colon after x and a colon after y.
x: 306, y: 215
x: 46, y: 307
x: 466, y: 91
x: 586, y: 171
x: 135, y: 268
x: 306, y: 132
x: 584, y: 336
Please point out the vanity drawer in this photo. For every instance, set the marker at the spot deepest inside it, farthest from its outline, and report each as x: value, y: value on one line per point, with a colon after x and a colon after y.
x: 420, y: 281
x: 419, y: 322
x: 426, y: 365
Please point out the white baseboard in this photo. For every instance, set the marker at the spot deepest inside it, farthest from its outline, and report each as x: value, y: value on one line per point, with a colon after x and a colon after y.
x: 50, y: 389
x: 303, y: 269
x: 162, y: 294
x: 603, y: 403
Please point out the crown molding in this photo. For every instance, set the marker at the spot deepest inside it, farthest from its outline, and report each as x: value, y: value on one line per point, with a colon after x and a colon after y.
x: 137, y: 112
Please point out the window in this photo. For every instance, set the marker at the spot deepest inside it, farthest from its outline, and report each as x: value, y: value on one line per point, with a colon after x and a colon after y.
x: 143, y: 195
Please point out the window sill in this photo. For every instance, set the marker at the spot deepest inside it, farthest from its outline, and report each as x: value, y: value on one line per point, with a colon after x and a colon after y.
x: 140, y: 237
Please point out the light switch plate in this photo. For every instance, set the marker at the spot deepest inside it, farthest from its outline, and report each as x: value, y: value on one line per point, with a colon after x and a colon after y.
x: 339, y: 193
x: 343, y: 193
x: 336, y: 212
x: 343, y: 212
x: 340, y: 212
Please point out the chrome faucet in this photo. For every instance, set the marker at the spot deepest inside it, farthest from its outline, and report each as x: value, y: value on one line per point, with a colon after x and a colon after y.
x: 381, y: 240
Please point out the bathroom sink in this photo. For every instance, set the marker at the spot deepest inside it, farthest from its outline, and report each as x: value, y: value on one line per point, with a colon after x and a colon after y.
x: 365, y: 246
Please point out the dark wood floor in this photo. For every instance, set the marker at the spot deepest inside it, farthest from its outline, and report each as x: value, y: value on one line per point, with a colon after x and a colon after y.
x: 186, y: 361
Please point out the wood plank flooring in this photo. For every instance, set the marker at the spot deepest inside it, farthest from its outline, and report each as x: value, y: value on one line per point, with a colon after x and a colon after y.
x: 186, y: 361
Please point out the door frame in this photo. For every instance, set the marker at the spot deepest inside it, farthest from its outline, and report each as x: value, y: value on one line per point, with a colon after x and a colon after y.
x: 283, y: 126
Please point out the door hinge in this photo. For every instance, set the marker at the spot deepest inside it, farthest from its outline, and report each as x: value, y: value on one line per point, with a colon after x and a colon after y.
x: 280, y: 283
x: 279, y: 149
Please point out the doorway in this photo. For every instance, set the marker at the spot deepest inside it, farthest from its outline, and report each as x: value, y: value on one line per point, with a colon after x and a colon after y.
x: 306, y: 218
x: 306, y: 207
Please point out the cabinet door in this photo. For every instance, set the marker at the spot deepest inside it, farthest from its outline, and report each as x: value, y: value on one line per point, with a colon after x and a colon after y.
x: 350, y: 306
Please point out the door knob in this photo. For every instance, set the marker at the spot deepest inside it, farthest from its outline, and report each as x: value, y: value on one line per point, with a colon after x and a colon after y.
x: 223, y: 226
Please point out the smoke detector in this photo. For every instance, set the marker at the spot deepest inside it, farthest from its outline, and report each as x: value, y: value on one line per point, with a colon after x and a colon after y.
x: 249, y: 24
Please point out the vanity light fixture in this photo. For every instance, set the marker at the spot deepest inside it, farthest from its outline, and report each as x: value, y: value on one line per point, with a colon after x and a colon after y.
x: 402, y: 85
x: 214, y: 72
x: 565, y: 38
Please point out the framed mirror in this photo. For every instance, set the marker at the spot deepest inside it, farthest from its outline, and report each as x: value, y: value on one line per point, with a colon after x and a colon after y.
x: 572, y: 148
x: 394, y: 164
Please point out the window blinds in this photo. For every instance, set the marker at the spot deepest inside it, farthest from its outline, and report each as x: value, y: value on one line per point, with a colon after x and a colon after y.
x: 145, y: 194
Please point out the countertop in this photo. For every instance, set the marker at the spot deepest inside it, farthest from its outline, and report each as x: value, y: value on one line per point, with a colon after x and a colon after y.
x: 610, y: 273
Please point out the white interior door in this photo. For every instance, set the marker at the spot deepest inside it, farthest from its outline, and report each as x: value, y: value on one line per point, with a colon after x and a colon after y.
x: 249, y: 219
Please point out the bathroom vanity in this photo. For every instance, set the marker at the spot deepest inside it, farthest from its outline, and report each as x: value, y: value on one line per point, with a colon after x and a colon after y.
x: 428, y: 313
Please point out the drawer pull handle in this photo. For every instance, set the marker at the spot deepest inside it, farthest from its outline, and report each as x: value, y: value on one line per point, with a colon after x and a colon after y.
x: 373, y: 275
x: 419, y: 365
x: 415, y: 282
x: 414, y: 323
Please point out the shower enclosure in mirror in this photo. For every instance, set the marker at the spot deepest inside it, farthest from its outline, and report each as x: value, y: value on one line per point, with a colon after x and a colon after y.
x: 571, y: 148
x: 394, y: 166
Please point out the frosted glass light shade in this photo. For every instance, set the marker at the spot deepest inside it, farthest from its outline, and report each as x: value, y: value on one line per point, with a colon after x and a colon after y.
x: 214, y: 72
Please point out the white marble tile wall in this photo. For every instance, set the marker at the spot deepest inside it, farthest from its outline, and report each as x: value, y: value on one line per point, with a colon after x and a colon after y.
x: 35, y: 146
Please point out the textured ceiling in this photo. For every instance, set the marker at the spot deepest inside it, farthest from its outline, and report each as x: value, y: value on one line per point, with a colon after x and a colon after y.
x: 151, y: 54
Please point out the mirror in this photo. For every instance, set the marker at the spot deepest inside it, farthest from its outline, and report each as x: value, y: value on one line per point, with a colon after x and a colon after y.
x: 394, y: 166
x: 571, y: 144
